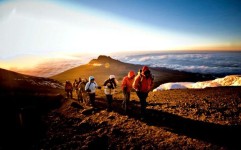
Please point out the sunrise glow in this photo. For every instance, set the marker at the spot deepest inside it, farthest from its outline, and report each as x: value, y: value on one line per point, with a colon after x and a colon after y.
x: 42, y: 28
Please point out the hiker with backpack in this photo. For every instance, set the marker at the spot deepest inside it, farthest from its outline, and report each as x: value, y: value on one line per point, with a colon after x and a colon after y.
x: 82, y: 93
x: 69, y: 89
x: 90, y: 88
x: 143, y: 83
x: 126, y: 87
x: 110, y: 85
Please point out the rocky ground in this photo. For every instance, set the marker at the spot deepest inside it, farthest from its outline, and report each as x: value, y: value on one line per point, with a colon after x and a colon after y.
x: 176, y: 119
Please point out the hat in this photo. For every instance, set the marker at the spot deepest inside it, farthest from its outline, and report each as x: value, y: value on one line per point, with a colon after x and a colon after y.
x: 91, y: 78
x: 112, y: 76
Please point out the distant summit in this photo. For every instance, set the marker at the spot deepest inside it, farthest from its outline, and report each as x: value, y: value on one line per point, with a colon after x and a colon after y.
x: 104, y: 59
x: 100, y: 68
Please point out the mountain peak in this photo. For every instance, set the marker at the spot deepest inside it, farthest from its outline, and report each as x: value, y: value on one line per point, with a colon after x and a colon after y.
x: 103, y: 59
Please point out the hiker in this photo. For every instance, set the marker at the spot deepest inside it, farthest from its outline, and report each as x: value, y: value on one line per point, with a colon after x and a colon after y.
x: 126, y: 88
x: 69, y: 89
x: 143, y: 83
x: 75, y: 86
x: 110, y: 85
x: 82, y: 93
x: 90, y: 88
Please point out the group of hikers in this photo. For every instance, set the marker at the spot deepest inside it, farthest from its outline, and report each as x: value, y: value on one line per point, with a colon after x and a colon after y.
x: 141, y: 83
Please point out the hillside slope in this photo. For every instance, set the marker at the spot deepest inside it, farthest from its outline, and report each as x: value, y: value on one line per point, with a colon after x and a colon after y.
x: 24, y: 100
x: 20, y: 82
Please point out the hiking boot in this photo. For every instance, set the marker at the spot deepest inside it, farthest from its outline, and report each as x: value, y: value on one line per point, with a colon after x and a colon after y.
x: 81, y: 100
x: 109, y: 109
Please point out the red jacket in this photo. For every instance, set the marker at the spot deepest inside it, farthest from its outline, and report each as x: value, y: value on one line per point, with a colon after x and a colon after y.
x: 128, y: 81
x: 142, y: 83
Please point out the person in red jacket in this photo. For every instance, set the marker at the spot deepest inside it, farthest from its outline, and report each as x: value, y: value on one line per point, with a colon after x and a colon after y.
x: 143, y: 83
x: 126, y: 88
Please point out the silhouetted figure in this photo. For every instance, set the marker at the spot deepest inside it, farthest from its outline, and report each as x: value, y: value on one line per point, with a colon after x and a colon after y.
x: 126, y: 88
x: 69, y: 89
x: 75, y: 87
x: 81, y: 91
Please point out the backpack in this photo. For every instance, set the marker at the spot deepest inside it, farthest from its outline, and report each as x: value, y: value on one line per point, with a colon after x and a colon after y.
x: 110, y: 84
x: 88, y: 89
x: 76, y: 84
x: 68, y: 86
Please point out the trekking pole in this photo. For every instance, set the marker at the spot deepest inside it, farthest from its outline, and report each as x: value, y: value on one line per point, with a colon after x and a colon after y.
x: 20, y: 115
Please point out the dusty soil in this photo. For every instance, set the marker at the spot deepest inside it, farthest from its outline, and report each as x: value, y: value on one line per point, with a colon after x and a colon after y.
x: 176, y: 119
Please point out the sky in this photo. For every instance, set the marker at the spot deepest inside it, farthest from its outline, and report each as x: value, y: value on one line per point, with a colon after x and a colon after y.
x: 33, y: 31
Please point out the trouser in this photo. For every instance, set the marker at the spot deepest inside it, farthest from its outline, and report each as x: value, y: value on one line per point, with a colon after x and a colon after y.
x: 92, y: 99
x: 69, y: 94
x: 126, y: 100
x: 142, y: 96
x: 109, y: 101
x: 80, y: 96
x: 77, y: 92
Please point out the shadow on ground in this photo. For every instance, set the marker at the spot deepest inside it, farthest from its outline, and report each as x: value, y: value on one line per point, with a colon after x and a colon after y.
x: 21, y: 118
x: 222, y: 135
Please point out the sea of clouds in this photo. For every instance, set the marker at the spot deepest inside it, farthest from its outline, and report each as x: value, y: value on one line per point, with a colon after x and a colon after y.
x: 197, y: 62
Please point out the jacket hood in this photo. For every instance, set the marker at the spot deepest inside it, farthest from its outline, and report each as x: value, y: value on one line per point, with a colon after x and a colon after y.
x: 144, y: 68
x: 131, y: 74
x: 91, y: 77
x: 112, y: 76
